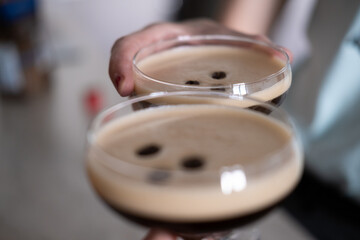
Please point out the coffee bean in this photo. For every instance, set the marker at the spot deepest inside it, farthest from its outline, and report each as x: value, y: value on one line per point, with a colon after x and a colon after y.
x: 218, y: 75
x: 148, y: 150
x: 192, y: 163
x: 158, y: 176
x: 192, y: 82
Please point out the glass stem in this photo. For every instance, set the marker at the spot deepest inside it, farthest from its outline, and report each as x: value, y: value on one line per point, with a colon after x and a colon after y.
x: 238, y: 234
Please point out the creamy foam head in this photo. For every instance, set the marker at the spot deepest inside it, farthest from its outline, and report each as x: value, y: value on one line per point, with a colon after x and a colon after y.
x: 214, y: 67
x: 168, y: 163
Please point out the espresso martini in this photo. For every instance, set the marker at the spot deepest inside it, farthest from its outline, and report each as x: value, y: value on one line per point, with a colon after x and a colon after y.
x: 238, y: 70
x: 194, y: 168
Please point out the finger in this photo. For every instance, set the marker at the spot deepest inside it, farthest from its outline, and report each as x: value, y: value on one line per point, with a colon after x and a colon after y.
x: 273, y: 49
x: 124, y: 49
x: 159, y: 235
x: 289, y: 53
x: 281, y: 52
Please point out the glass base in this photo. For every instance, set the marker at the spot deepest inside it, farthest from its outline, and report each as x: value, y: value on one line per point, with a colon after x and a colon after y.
x: 238, y: 234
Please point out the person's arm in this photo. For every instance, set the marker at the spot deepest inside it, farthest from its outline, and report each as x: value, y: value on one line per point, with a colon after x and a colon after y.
x: 249, y: 16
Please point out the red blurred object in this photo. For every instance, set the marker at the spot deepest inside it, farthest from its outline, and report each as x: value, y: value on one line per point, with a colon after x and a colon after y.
x: 94, y: 101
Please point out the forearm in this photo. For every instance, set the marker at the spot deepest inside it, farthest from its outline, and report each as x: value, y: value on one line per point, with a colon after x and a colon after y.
x: 249, y: 16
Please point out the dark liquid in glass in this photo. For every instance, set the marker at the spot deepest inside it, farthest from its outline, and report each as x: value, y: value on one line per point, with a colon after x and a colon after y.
x: 193, y: 227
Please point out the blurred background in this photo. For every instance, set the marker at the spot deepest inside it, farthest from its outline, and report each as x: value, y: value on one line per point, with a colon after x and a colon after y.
x: 53, y: 72
x: 53, y: 79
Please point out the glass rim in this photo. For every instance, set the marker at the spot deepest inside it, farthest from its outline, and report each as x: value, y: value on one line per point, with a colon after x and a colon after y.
x: 211, y: 37
x: 117, y: 165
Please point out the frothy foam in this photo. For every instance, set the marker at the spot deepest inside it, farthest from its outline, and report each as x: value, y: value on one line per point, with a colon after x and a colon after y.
x: 195, y: 66
x: 159, y: 184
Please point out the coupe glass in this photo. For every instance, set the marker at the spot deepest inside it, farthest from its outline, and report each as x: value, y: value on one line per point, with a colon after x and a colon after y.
x: 236, y: 65
x: 200, y: 169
